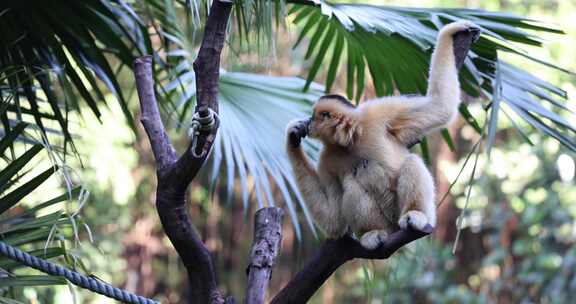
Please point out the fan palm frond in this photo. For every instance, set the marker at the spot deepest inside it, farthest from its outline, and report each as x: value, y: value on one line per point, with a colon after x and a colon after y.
x: 32, y: 227
x: 394, y: 45
x: 54, y: 50
x: 254, y: 110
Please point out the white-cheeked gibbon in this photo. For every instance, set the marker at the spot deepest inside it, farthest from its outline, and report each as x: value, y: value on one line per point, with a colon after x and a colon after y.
x: 367, y: 180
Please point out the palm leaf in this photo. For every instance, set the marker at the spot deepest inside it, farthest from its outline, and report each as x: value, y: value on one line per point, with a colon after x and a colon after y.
x: 32, y: 280
x: 251, y: 144
x: 24, y: 226
x: 58, y: 48
x: 395, y: 43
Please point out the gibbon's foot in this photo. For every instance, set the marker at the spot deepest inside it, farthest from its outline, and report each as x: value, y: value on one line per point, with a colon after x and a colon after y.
x: 415, y: 219
x: 373, y: 239
x: 296, y: 130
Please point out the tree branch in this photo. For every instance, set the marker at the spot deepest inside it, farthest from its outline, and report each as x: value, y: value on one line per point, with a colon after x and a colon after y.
x: 265, y: 247
x: 174, y: 176
x: 207, y: 70
x: 335, y: 252
x: 163, y: 151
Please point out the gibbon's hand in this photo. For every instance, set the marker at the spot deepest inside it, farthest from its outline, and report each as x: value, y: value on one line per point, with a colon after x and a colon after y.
x: 297, y: 130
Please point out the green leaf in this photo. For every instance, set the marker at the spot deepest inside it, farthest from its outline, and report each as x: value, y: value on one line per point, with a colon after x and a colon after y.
x: 256, y: 150
x: 12, y: 198
x: 28, y: 237
x: 395, y: 43
x: 335, y: 63
x: 43, y: 221
x: 4, y: 300
x: 15, y: 166
x: 468, y: 118
x: 328, y: 39
x: 448, y: 139
x: 425, y: 151
x: 66, y: 42
x: 32, y: 281
x: 48, y: 253
x: 495, y: 108
x: 9, y: 138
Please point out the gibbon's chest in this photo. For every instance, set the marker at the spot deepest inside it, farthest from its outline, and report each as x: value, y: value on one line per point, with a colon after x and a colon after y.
x: 382, y: 148
x: 335, y: 165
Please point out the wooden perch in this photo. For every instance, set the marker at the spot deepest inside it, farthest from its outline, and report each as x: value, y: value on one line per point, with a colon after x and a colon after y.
x: 265, y: 247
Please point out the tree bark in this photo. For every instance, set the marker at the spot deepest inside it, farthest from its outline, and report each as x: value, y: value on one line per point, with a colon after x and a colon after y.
x: 333, y: 254
x: 175, y: 174
x: 265, y: 248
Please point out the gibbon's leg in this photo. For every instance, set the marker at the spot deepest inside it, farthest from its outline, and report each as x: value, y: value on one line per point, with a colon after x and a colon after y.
x: 360, y: 210
x: 416, y: 194
x: 324, y: 210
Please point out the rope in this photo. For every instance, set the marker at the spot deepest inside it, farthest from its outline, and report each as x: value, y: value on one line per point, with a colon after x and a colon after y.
x: 72, y: 276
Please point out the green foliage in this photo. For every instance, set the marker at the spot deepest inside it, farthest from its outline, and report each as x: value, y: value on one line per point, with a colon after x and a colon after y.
x: 56, y: 50
x: 395, y: 43
x: 42, y: 226
x: 522, y: 254
x: 61, y: 57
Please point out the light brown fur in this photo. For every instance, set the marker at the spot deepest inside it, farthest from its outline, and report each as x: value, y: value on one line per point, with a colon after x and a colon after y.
x: 367, y: 179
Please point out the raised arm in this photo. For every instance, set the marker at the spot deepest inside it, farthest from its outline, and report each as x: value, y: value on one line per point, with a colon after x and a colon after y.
x: 409, y: 118
x: 324, y: 210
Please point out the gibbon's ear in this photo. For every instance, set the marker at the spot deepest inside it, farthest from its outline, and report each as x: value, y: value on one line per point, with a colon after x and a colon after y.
x: 346, y: 131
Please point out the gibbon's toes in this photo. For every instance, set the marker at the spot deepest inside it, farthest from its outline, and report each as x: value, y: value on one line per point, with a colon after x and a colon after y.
x: 415, y: 219
x: 372, y: 239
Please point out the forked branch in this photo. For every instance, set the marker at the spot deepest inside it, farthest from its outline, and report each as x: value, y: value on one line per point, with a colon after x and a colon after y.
x: 174, y: 175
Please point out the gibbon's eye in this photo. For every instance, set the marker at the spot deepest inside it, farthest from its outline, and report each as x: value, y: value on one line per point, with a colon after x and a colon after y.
x: 325, y: 115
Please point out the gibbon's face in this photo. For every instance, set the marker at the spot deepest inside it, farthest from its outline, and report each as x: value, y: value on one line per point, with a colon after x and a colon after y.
x: 331, y: 121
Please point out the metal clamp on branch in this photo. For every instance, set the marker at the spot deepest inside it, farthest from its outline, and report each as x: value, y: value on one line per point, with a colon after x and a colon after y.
x: 202, y: 121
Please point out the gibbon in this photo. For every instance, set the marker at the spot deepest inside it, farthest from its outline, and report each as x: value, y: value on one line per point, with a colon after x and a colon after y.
x: 367, y: 180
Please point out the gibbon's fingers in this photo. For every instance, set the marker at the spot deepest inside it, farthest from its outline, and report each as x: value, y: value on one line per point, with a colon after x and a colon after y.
x: 475, y: 31
x: 459, y: 26
x: 296, y: 131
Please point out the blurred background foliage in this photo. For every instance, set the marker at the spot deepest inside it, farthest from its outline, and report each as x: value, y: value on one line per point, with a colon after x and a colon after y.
x: 77, y: 178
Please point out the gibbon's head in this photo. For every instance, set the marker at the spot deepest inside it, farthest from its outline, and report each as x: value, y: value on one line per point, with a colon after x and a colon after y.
x: 333, y: 121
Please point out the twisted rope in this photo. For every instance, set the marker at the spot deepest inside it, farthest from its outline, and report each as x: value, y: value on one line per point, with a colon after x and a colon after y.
x: 72, y: 276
